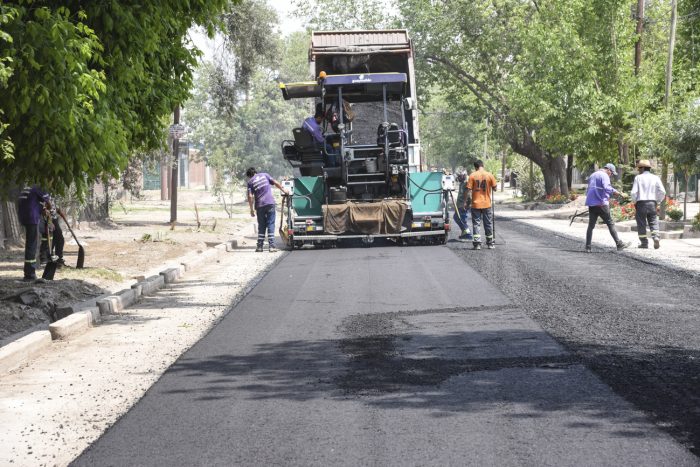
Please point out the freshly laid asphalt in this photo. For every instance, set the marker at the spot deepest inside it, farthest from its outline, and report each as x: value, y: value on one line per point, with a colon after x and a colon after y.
x: 381, y: 356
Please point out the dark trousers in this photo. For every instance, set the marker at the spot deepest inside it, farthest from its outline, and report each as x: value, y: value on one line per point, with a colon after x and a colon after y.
x: 57, y: 240
x: 594, y: 212
x: 646, y: 214
x: 30, y: 244
x: 266, y: 222
x: 487, y: 216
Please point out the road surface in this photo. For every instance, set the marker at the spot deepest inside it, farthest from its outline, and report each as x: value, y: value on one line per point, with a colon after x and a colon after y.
x: 385, y: 356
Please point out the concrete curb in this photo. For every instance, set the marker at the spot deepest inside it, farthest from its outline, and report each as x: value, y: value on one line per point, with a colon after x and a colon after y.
x: 22, y: 350
x: 77, y: 318
x: 117, y: 302
x: 75, y: 324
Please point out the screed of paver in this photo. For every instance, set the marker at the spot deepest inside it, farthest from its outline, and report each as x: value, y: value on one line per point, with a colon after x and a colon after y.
x: 53, y: 408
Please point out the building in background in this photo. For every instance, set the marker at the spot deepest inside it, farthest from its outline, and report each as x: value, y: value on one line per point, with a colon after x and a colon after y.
x: 193, y: 171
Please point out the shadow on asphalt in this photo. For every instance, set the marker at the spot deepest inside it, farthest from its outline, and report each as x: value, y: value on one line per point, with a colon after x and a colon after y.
x: 375, y: 369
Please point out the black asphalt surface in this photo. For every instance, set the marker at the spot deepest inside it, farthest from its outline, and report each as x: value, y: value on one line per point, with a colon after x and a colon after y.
x: 635, y: 324
x: 385, y: 356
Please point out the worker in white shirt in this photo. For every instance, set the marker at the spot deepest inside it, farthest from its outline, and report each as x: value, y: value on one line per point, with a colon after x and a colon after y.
x: 647, y: 192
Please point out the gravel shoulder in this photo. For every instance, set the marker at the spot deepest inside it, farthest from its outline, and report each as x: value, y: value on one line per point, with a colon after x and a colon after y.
x: 634, y: 323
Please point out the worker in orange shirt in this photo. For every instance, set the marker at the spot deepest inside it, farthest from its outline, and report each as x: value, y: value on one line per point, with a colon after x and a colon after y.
x: 480, y: 183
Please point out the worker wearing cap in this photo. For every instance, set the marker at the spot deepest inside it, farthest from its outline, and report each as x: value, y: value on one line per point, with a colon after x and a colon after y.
x: 598, y: 201
x: 461, y: 217
x: 647, y: 192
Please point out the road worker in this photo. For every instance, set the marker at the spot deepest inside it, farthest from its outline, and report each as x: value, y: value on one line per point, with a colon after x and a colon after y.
x: 598, y: 201
x: 32, y: 203
x: 480, y: 183
x: 647, y: 192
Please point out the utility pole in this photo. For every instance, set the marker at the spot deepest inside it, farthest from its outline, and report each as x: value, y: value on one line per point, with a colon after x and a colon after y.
x: 667, y: 94
x: 671, y: 46
x: 176, y: 164
x: 164, y: 179
x: 503, y: 172
x: 640, y: 30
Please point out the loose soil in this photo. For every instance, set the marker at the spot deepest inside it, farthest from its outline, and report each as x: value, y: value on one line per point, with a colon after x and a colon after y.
x: 138, y: 237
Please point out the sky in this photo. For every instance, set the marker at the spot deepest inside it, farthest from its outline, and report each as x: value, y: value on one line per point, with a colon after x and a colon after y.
x: 284, y: 10
x: 288, y: 24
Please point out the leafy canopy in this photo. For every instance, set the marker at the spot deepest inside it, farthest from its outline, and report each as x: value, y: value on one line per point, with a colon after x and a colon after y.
x: 83, y: 84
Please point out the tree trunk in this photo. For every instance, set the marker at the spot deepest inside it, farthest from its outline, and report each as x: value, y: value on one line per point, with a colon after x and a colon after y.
x: 553, y: 168
x: 10, y: 227
x: 569, y: 171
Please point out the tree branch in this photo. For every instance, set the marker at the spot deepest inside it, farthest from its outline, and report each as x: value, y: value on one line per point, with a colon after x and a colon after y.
x: 477, y: 88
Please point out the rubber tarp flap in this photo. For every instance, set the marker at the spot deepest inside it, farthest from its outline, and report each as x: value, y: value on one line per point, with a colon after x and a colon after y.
x: 384, y: 217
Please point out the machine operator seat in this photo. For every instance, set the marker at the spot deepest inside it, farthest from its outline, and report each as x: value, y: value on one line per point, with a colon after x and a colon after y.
x: 309, y: 152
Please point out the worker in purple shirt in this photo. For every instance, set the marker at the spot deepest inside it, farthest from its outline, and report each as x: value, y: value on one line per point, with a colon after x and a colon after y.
x: 313, y: 126
x: 33, y: 201
x: 262, y: 205
x: 598, y: 201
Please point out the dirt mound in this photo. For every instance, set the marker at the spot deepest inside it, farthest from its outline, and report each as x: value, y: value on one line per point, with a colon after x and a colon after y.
x: 23, y: 305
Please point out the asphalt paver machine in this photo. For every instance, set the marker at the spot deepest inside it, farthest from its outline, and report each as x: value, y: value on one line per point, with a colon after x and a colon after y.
x: 365, y: 180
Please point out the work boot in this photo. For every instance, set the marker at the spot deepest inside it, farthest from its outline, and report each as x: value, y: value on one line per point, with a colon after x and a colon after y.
x: 588, y: 250
x: 259, y: 249
x: 622, y: 245
x: 466, y: 235
x: 477, y: 246
x: 490, y: 246
x: 272, y: 249
x: 643, y: 246
x: 657, y: 245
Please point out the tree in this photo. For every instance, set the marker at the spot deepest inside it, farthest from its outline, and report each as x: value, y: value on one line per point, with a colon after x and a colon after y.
x: 347, y: 14
x: 556, y: 75
x: 453, y: 133
x: 249, y: 130
x: 686, y: 142
x: 89, y: 81
x: 249, y: 45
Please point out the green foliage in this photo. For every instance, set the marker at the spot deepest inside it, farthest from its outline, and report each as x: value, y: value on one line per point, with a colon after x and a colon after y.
x: 531, y: 187
x: 675, y: 214
x: 686, y: 139
x: 249, y: 45
x: 450, y: 136
x: 249, y: 133
x: 696, y: 222
x: 85, y: 83
x: 324, y: 15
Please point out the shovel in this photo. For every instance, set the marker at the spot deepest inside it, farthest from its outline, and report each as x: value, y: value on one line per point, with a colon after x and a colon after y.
x: 81, y: 250
x: 576, y: 214
x: 50, y: 268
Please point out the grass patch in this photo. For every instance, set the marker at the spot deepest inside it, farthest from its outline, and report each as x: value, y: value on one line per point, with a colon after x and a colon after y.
x: 95, y: 273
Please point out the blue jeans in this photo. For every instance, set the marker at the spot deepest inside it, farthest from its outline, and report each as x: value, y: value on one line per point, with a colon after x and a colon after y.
x: 266, y: 222
x: 461, y: 218
x: 487, y: 216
